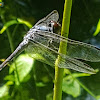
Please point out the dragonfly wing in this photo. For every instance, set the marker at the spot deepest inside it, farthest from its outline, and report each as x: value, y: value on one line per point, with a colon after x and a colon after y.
x: 70, y: 63
x: 47, y: 55
x: 83, y: 51
x: 75, y: 49
x: 53, y: 16
x: 41, y: 53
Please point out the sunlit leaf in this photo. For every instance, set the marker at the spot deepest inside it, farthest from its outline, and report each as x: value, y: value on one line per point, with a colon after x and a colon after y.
x: 97, y: 29
x: 4, y: 90
x: 9, y: 83
x: 71, y: 87
x: 23, y: 66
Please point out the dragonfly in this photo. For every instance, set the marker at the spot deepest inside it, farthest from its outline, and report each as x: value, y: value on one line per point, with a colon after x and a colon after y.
x: 42, y: 43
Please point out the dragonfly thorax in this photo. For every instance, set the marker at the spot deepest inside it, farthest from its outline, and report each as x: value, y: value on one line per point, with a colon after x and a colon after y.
x: 44, y: 28
x: 30, y: 33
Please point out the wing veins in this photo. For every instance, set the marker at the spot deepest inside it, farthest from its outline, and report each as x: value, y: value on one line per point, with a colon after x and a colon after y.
x: 92, y: 52
x: 83, y: 66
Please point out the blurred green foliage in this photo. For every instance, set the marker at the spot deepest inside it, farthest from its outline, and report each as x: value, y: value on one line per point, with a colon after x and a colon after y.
x: 27, y: 79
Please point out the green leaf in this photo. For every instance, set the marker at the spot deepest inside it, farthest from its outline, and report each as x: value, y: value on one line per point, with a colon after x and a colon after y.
x: 9, y: 78
x: 4, y: 91
x: 21, y: 21
x: 97, y: 29
x: 24, y: 65
x: 71, y: 87
x: 18, y: 21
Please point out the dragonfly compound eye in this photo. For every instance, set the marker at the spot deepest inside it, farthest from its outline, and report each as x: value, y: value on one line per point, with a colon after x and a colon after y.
x: 56, y: 26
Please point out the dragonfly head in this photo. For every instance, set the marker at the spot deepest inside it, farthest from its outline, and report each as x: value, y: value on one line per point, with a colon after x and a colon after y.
x: 56, y: 26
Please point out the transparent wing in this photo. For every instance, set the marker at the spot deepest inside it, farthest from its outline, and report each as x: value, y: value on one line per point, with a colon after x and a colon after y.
x: 53, y: 16
x: 47, y: 55
x: 75, y: 49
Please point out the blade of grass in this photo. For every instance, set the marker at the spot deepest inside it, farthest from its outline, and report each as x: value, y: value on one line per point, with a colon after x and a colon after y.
x: 85, y: 88
x: 15, y: 21
x: 8, y: 34
x: 62, y: 49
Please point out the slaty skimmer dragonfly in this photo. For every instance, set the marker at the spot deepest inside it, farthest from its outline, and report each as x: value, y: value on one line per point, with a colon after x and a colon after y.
x: 43, y: 40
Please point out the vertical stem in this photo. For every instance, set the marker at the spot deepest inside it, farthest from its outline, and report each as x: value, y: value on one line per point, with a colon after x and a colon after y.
x: 8, y: 34
x: 11, y: 47
x: 62, y: 49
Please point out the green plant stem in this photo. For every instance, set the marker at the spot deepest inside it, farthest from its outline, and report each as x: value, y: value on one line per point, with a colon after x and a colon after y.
x: 11, y: 46
x: 62, y: 49
x: 9, y: 36
x: 85, y: 88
